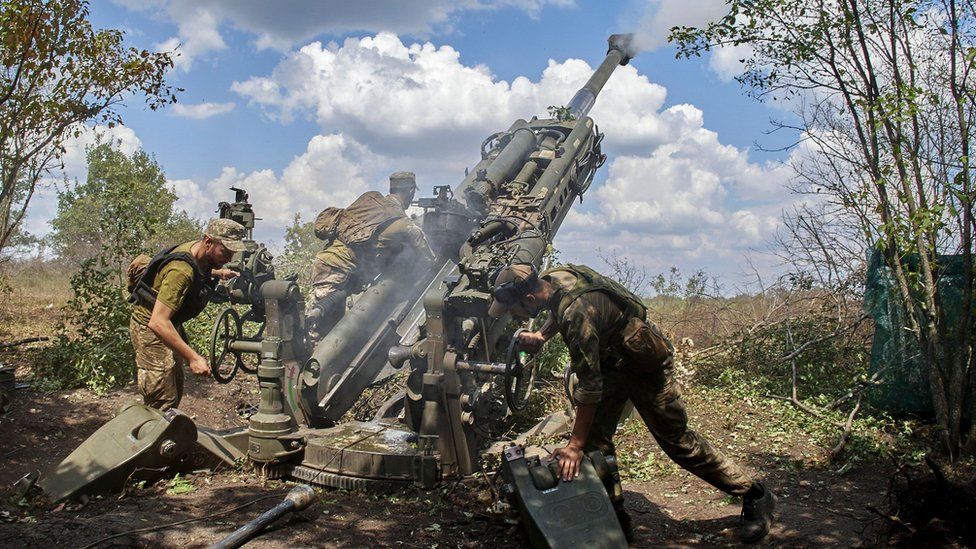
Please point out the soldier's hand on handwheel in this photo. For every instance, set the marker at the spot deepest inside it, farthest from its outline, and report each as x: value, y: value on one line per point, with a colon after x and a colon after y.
x: 569, y: 458
x: 224, y: 274
x: 199, y: 366
x: 531, y: 342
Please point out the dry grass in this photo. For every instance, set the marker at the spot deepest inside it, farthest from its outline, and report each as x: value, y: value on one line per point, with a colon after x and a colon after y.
x: 32, y: 294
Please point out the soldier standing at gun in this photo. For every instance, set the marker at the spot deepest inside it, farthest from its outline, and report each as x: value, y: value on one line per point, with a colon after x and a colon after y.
x: 618, y: 356
x: 169, y: 289
x: 363, y: 240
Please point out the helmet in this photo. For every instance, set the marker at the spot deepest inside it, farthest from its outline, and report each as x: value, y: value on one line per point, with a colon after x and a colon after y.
x: 403, y: 181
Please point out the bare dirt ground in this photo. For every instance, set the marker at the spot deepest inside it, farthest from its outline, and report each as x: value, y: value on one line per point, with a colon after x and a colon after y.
x: 818, y: 505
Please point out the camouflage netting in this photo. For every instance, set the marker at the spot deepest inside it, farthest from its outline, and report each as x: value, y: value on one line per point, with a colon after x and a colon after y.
x: 905, y: 379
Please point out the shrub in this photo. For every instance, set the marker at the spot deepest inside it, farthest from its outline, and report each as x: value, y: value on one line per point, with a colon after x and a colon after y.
x: 92, y: 347
x: 301, y: 245
x: 825, y: 369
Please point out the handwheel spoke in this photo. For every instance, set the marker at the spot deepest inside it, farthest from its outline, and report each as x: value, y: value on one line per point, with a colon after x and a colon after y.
x: 226, y: 330
x: 248, y: 361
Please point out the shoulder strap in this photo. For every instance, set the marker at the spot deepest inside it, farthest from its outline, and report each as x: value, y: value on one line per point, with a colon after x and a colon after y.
x: 589, y: 280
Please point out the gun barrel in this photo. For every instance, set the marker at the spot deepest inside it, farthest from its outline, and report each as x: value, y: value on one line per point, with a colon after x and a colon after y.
x: 620, y: 53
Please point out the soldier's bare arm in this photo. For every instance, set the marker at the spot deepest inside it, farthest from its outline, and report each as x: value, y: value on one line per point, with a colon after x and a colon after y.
x: 161, y: 323
x: 532, y: 342
x: 549, y: 327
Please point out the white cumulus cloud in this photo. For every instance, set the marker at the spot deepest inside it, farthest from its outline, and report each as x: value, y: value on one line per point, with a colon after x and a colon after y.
x: 674, y: 193
x: 201, y: 111
x: 400, y: 98
x: 692, y: 203
x: 726, y: 61
x: 334, y: 169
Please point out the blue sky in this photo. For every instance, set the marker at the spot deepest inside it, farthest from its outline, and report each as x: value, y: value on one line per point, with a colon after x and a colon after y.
x: 304, y: 103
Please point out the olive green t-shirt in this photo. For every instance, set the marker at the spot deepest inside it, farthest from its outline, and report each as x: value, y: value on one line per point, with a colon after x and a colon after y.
x: 171, y: 285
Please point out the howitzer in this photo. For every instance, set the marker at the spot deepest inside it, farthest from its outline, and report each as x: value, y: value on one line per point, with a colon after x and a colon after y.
x: 465, y: 370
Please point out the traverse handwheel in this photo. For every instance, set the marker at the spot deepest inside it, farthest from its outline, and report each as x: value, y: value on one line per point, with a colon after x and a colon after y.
x: 223, y: 361
x: 519, y: 376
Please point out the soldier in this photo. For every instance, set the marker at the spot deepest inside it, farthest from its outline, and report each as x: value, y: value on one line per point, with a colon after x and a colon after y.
x: 618, y: 356
x: 363, y: 240
x: 175, y: 287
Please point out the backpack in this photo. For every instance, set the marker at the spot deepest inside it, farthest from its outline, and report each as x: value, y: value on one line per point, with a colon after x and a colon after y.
x: 360, y: 222
x: 135, y: 271
x: 327, y: 223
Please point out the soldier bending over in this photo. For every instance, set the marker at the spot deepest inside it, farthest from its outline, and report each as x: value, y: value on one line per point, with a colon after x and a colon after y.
x: 363, y: 239
x: 176, y: 287
x: 618, y: 355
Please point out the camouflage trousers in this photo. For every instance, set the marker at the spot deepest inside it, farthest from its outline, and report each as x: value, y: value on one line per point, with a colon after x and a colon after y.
x: 331, y: 270
x: 159, y: 370
x: 657, y: 398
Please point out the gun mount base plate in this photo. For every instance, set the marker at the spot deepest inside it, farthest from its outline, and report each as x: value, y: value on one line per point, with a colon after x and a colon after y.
x: 138, y: 443
x: 373, y: 456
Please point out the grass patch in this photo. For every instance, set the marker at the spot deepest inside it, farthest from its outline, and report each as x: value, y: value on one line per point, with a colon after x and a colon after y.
x: 180, y: 485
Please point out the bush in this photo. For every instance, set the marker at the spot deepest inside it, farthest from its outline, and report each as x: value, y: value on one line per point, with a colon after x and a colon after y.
x: 121, y: 209
x: 296, y: 259
x: 92, y: 347
x: 825, y: 370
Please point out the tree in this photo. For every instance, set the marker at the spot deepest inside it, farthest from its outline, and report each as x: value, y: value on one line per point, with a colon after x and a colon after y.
x: 301, y: 245
x: 56, y: 75
x: 122, y: 209
x: 884, y: 93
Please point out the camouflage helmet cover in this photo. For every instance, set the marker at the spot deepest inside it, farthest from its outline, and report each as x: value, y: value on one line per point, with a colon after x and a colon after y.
x: 403, y: 181
x: 228, y: 232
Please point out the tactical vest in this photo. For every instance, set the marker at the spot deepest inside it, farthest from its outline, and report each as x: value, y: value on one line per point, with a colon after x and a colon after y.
x: 588, y: 280
x: 360, y: 222
x: 197, y: 298
x: 642, y: 344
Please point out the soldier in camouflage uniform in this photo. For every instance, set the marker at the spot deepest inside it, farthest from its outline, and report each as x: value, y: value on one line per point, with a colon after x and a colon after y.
x: 617, y: 355
x: 363, y: 239
x: 175, y: 287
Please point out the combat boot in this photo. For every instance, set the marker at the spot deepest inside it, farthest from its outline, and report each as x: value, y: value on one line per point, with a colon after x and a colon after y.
x: 757, y: 513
